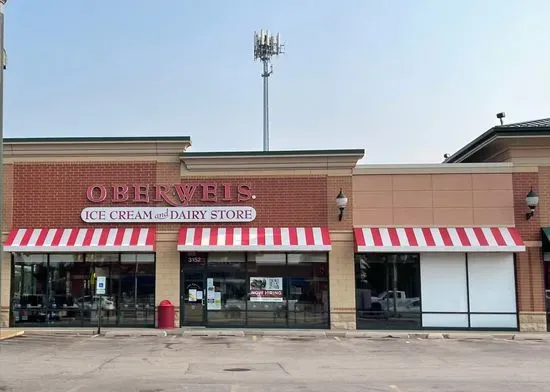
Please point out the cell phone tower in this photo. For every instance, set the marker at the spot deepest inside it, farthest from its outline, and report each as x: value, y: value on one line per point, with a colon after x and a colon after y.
x: 266, y: 46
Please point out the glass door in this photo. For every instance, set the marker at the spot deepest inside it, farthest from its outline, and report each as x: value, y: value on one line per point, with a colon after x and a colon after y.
x: 193, y: 298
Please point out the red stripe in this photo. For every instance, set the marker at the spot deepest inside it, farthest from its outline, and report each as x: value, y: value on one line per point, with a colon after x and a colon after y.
x: 26, y: 237
x: 463, y: 236
x: 11, y: 237
x: 428, y: 236
x: 57, y: 237
x: 445, y: 236
x: 261, y: 236
x: 293, y: 236
x: 376, y: 237
x: 105, y: 235
x: 88, y: 237
x: 326, y: 236
x: 277, y: 240
x: 310, y: 239
x: 213, y: 240
x: 245, y: 236
x: 134, y: 239
x: 515, y: 236
x: 498, y: 236
x: 182, y: 236
x: 151, y: 237
x: 409, y: 232
x: 229, y: 236
x: 480, y: 236
x: 42, y: 237
x: 359, y: 237
x: 72, y: 237
x: 197, y: 239
x: 119, y: 236
x: 394, y: 238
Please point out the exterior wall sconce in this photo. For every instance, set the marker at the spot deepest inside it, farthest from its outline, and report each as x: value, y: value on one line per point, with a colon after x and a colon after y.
x: 532, y: 201
x: 341, y: 203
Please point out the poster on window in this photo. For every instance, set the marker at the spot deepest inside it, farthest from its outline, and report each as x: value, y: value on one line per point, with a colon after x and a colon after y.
x: 266, y: 289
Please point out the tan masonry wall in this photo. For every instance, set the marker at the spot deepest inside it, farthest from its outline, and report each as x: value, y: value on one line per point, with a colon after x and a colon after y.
x: 342, y: 280
x: 451, y: 199
x: 167, y: 284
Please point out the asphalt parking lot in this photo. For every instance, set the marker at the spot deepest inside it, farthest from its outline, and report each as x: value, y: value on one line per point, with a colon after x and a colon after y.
x: 254, y: 363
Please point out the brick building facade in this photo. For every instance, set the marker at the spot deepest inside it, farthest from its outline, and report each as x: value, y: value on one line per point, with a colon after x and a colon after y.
x: 417, y: 246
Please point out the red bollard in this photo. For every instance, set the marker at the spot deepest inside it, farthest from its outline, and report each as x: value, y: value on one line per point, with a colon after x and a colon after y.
x: 165, y: 315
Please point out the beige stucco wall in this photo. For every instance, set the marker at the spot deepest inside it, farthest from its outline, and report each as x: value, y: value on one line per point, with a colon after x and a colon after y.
x: 167, y: 284
x: 450, y: 199
x: 342, y: 280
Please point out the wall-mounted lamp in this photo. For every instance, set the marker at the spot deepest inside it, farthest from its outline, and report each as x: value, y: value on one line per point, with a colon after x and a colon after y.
x: 341, y: 203
x: 532, y: 201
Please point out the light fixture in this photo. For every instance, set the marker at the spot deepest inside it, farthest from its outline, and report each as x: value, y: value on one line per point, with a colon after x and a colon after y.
x: 341, y: 203
x: 500, y: 116
x: 532, y: 201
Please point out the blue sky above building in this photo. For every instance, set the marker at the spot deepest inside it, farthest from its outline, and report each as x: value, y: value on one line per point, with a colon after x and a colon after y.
x: 406, y: 80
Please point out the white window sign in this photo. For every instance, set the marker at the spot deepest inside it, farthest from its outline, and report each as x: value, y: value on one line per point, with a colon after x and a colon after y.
x: 101, y: 285
x: 168, y: 214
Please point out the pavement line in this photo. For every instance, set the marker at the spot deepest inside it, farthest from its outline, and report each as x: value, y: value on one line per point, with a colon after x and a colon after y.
x: 336, y: 338
x: 254, y: 337
x: 395, y: 388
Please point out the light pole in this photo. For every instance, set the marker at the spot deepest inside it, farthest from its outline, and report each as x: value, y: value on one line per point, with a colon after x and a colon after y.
x: 3, y: 59
x: 265, y: 47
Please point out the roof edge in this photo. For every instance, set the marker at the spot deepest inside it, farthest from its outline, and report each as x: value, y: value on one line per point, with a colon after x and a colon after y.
x: 99, y: 139
x: 276, y: 153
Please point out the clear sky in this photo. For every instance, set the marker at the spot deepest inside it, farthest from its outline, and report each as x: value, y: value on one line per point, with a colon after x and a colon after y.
x: 407, y: 80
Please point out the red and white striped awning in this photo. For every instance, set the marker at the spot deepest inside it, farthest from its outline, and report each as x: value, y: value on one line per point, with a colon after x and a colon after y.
x: 133, y: 239
x: 235, y: 239
x: 438, y: 239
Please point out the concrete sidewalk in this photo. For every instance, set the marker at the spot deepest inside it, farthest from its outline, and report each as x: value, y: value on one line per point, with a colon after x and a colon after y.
x: 319, y: 333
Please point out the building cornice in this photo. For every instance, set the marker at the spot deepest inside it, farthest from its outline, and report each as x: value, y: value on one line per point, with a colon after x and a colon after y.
x: 285, y: 161
x: 438, y: 168
x: 37, y: 150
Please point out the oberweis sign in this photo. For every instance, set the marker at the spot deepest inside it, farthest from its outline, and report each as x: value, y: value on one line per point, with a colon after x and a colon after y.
x: 174, y: 203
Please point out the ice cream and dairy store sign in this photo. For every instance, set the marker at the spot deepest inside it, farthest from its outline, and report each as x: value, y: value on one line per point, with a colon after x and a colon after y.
x: 185, y: 202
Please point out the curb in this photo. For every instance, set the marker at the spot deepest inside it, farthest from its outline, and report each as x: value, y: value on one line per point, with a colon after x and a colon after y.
x: 12, y: 335
x: 291, y: 334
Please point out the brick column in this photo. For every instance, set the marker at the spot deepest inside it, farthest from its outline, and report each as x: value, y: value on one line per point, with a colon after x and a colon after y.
x: 167, y: 275
x: 529, y: 264
x: 341, y: 258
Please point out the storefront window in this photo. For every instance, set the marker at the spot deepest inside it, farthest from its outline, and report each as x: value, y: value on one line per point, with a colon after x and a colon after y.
x: 308, y: 289
x: 60, y: 289
x: 258, y: 289
x: 387, y: 290
x: 226, y: 304
x: 30, y: 294
x: 267, y: 290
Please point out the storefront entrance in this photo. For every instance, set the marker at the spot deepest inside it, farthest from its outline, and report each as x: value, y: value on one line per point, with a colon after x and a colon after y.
x: 193, y: 296
x: 222, y: 289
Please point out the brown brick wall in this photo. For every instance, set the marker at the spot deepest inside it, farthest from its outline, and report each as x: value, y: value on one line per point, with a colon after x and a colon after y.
x: 529, y: 229
x: 543, y: 190
x: 530, y: 283
x: 281, y: 201
x: 530, y: 272
x: 54, y: 194
x: 333, y: 188
x: 8, y: 197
